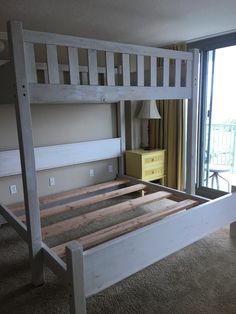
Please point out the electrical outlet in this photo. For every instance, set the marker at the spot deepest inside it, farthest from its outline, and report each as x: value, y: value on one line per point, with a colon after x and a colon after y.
x: 52, y: 181
x: 91, y: 173
x: 13, y: 189
x: 110, y: 168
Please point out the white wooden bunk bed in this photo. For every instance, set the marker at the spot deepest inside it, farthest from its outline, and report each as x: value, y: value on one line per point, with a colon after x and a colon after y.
x: 95, y: 261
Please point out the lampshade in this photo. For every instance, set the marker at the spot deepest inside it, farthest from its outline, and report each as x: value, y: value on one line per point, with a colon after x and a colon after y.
x: 149, y: 110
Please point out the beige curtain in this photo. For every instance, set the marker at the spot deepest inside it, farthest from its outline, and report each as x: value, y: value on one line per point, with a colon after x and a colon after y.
x: 169, y: 134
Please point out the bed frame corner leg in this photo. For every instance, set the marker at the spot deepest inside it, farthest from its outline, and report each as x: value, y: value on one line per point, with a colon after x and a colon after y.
x: 75, y: 270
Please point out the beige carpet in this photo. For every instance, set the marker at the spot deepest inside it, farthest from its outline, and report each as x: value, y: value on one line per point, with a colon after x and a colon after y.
x: 198, y: 279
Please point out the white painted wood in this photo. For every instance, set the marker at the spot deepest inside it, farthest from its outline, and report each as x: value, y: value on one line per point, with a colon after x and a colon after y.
x: 192, y: 127
x: 177, y: 73
x: 55, y: 263
x: 126, y: 69
x: 166, y: 72
x: 233, y: 225
x: 66, y: 68
x: 140, y: 70
x: 25, y: 139
x: 110, y: 68
x: 73, y: 65
x: 75, y: 269
x: 55, y: 156
x: 79, y: 42
x: 42, y: 93
x: 52, y: 61
x: 17, y: 224
x: 30, y: 63
x: 153, y: 71
x: 121, y: 134
x: 92, y: 66
x: 189, y: 73
x: 145, y: 246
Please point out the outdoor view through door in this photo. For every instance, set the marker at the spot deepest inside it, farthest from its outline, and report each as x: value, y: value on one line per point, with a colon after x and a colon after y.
x: 218, y: 125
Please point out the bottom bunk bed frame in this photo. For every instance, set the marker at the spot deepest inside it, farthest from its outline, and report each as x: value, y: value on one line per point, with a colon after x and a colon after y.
x: 102, y: 258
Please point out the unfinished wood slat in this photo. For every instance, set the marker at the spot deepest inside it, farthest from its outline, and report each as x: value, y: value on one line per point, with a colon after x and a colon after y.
x: 153, y: 67
x: 140, y: 70
x: 93, y: 68
x: 89, y: 201
x: 110, y: 68
x: 126, y: 226
x: 53, y: 69
x: 30, y: 63
x: 126, y: 69
x: 166, y: 72
x: 177, y: 73
x: 72, y: 193
x: 73, y: 65
x: 100, y: 214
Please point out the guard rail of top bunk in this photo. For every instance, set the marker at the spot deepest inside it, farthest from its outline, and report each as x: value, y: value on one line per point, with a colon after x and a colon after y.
x: 159, y: 73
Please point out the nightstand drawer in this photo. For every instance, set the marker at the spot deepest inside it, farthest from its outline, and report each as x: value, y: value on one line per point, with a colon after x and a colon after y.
x: 153, y: 173
x: 153, y: 158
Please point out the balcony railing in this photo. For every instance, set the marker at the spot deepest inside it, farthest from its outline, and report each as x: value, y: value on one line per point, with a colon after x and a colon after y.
x: 223, y: 145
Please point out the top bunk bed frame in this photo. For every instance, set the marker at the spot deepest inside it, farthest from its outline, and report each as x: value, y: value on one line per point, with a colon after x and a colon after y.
x: 88, y: 268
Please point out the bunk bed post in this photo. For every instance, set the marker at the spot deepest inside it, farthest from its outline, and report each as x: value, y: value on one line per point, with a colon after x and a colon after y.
x: 192, y: 126
x: 75, y: 269
x: 25, y: 138
x: 121, y: 134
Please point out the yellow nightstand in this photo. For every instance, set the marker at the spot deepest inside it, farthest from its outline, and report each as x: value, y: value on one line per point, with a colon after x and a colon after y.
x: 147, y: 165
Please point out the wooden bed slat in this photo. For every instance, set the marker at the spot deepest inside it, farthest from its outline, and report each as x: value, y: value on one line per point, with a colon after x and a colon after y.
x: 100, y: 214
x: 92, y: 65
x: 90, y: 200
x: 72, y: 193
x: 126, y: 69
x: 30, y: 64
x: 126, y: 226
x: 140, y: 70
x: 52, y: 61
x: 153, y: 67
x: 110, y: 68
x: 73, y: 65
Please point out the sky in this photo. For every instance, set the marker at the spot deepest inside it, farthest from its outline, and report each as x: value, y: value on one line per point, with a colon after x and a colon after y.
x: 224, y: 89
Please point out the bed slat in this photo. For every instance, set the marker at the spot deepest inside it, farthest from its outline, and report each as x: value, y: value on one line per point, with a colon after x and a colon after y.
x: 140, y: 70
x: 30, y: 63
x: 177, y: 73
x: 100, y: 214
x: 73, y: 65
x: 126, y: 69
x: 110, y: 67
x: 89, y: 201
x: 92, y: 65
x: 52, y: 61
x: 166, y: 72
x: 153, y: 67
x: 126, y: 226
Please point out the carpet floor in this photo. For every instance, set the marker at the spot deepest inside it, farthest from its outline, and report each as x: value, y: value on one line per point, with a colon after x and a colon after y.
x: 197, y: 279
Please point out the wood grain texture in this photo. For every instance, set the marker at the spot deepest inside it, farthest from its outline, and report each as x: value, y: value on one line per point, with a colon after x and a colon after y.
x: 101, y: 214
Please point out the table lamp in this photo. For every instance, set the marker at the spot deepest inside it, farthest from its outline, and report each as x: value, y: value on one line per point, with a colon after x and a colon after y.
x: 149, y: 111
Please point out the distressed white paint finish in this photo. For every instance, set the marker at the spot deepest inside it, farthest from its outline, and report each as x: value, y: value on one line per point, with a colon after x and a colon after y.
x: 49, y: 157
x: 117, y: 259
x: 52, y: 61
x: 25, y: 138
x: 75, y: 271
x: 110, y: 68
x: 43, y: 93
x: 30, y: 63
x: 73, y: 65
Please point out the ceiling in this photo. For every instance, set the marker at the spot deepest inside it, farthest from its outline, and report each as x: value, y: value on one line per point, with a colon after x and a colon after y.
x: 145, y: 22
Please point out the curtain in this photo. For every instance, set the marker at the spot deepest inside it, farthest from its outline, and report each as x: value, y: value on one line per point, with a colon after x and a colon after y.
x: 169, y: 133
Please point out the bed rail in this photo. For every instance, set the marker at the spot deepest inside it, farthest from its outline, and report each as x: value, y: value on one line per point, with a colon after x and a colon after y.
x: 129, y: 72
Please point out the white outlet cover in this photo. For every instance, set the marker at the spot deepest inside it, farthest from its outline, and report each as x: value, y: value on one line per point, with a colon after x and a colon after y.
x: 52, y: 181
x: 13, y: 189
